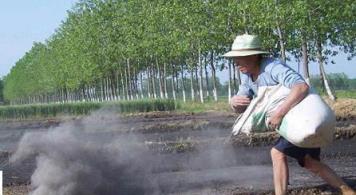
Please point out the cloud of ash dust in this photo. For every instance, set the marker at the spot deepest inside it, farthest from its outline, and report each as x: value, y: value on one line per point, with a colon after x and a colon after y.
x: 93, y: 156
x: 77, y: 159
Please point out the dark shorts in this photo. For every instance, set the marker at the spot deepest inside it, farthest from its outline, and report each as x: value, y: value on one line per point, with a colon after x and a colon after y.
x: 296, y: 152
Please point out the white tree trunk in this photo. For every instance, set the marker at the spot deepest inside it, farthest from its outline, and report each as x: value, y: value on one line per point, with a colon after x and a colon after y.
x: 165, y: 80
x: 130, y: 90
x: 135, y: 82
x: 192, y: 85
x: 148, y: 83
x: 141, y: 85
x: 153, y: 83
x: 173, y: 89
x: 173, y: 84
x: 122, y: 86
x: 305, y: 60
x: 229, y: 84
x: 200, y: 77
x: 281, y: 43
x: 234, y: 79
x: 206, y: 77
x: 159, y: 80
x: 183, y: 86
x: 108, y: 88
x: 127, y: 86
x: 118, y: 87
x: 213, y: 76
x: 322, y: 71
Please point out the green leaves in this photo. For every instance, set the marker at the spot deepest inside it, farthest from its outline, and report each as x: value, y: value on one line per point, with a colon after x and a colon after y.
x: 98, y: 37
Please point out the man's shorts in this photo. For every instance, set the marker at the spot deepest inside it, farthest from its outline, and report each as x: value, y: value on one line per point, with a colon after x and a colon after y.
x: 296, y: 152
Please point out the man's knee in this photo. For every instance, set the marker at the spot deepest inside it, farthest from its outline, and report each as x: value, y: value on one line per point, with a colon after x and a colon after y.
x: 276, y: 155
x: 312, y: 164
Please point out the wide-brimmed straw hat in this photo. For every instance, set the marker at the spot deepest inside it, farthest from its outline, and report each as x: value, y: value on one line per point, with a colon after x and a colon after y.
x: 245, y: 45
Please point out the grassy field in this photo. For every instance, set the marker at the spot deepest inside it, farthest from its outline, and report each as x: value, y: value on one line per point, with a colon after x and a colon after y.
x: 136, y: 106
x: 84, y: 108
x: 346, y: 94
x: 209, y: 105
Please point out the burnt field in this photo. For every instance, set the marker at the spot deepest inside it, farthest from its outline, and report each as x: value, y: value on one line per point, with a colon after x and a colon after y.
x: 156, y: 153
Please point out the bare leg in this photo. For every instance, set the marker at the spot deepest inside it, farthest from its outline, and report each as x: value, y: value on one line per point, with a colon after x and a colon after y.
x: 327, y: 174
x: 280, y: 171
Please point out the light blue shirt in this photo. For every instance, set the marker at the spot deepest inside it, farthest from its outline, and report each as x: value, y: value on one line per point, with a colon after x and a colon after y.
x: 272, y: 72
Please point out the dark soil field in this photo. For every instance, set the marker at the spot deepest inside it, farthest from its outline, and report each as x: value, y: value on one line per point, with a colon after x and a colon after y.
x: 193, y: 153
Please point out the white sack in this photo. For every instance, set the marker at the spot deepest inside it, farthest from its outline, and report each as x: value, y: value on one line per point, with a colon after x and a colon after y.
x: 310, y: 123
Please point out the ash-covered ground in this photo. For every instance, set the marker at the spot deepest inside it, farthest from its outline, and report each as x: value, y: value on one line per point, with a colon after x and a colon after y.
x: 156, y: 153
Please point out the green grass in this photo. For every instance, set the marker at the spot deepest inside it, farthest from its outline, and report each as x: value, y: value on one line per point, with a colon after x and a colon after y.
x: 208, y: 105
x: 346, y: 94
x: 84, y: 108
x: 136, y: 106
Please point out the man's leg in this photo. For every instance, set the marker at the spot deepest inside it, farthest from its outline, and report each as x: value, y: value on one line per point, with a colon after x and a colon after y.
x: 326, y: 173
x: 280, y: 171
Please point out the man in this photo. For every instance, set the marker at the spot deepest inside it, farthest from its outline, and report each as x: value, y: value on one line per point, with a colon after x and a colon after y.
x: 263, y: 71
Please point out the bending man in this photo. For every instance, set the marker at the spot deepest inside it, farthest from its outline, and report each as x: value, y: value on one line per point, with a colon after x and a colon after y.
x: 258, y: 70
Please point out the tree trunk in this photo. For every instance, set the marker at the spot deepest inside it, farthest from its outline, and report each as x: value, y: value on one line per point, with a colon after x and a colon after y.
x: 130, y: 92
x: 123, y: 82
x: 117, y: 86
x: 213, y: 76
x: 148, y: 82
x: 305, y: 60
x: 206, y: 76
x: 234, y: 79
x: 141, y: 85
x: 135, y: 82
x: 101, y: 90
x: 192, y: 92
x: 109, y: 88
x: 229, y: 84
x: 159, y: 79
x: 173, y: 85
x: 322, y: 71
x: 127, y: 85
x: 281, y: 43
x: 200, y: 77
x: 183, y: 86
x: 245, y: 22
x: 153, y: 83
x: 165, y: 80
x: 114, y: 85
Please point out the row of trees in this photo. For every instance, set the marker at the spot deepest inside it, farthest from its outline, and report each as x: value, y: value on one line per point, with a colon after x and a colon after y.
x: 338, y: 81
x: 114, y: 50
x: 1, y: 91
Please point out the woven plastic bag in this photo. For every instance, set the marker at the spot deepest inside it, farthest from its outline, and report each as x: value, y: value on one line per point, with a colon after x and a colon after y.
x: 310, y: 123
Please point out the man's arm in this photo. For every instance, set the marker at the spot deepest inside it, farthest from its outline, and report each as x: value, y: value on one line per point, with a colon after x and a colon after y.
x: 297, y: 94
x: 241, y: 100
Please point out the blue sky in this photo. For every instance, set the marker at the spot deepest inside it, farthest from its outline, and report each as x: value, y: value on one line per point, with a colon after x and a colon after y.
x: 23, y: 22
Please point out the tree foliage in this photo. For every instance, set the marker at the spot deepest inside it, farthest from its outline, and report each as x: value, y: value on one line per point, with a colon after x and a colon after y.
x: 104, y: 46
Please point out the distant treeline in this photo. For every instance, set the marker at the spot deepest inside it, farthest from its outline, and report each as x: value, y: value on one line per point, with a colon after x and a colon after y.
x: 337, y: 81
x: 109, y: 50
x: 1, y: 91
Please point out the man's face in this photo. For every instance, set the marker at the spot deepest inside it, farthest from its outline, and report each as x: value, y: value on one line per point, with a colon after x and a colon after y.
x: 247, y: 64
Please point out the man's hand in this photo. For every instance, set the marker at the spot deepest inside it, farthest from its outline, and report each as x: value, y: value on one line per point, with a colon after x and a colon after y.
x: 239, y: 103
x: 297, y: 94
x: 276, y: 119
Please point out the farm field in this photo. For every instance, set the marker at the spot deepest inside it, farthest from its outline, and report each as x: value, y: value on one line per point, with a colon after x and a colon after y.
x: 178, y: 153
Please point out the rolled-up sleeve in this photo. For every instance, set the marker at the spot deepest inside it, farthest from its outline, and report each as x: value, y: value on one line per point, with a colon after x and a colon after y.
x: 286, y: 75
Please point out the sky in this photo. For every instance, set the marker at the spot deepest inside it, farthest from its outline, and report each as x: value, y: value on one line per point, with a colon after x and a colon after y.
x: 23, y: 22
